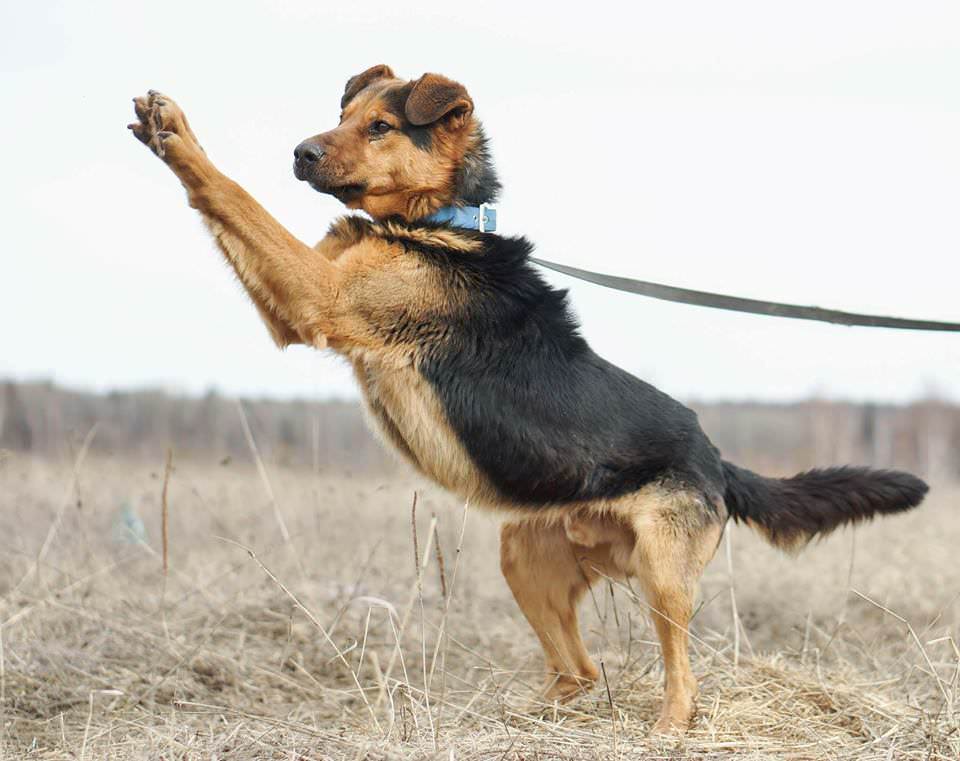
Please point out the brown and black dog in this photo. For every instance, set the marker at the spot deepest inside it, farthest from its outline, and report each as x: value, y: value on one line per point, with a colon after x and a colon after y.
x: 472, y: 367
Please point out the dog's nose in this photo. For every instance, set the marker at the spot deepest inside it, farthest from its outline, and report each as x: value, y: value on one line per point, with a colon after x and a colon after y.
x: 308, y: 153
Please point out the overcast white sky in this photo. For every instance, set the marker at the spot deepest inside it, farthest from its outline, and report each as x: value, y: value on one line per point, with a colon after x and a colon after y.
x: 808, y: 153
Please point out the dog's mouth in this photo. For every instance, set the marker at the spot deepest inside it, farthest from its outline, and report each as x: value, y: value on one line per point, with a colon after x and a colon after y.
x: 343, y: 192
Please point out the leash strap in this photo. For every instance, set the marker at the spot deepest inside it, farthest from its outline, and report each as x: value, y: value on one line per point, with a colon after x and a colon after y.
x: 750, y: 306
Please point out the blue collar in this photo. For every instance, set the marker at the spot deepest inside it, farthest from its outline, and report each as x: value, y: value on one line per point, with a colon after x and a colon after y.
x: 482, y: 218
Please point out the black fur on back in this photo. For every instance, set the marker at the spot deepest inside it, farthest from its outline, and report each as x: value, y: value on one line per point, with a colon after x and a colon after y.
x: 549, y: 422
x: 791, y: 511
x: 546, y: 419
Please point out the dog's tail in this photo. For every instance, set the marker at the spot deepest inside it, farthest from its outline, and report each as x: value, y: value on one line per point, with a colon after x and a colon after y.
x: 789, y: 512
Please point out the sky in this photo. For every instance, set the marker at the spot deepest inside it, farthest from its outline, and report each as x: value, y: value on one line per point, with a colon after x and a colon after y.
x: 803, y: 152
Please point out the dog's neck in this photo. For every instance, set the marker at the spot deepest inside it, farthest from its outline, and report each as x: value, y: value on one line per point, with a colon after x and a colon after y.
x: 476, y: 180
x: 475, y: 186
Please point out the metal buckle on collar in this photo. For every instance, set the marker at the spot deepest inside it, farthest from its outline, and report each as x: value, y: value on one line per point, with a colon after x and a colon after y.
x: 483, y: 219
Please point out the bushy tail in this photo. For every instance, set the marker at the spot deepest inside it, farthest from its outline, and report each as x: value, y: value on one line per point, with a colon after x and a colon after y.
x: 789, y: 512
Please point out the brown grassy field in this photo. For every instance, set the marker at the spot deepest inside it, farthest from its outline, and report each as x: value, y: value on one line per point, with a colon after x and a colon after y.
x: 849, y: 651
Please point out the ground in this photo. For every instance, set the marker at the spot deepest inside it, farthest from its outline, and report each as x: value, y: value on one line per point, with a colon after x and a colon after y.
x: 847, y: 651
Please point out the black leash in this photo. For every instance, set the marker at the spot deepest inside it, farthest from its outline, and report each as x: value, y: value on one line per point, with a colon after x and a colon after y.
x: 751, y: 306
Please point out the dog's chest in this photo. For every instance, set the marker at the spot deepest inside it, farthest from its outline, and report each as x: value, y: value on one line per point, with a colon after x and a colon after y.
x: 403, y: 408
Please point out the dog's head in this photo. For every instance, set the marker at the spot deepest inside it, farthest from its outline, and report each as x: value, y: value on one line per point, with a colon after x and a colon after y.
x: 401, y: 148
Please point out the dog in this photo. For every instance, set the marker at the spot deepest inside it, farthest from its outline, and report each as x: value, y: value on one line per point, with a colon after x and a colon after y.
x: 472, y: 368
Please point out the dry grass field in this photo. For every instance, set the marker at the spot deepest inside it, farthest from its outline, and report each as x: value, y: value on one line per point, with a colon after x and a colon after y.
x: 849, y: 651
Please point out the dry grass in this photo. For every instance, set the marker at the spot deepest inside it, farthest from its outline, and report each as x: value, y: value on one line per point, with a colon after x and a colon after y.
x: 284, y: 655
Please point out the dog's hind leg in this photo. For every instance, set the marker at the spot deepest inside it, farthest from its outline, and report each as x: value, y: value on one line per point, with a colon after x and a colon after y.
x: 549, y: 567
x: 541, y: 569
x: 677, y: 534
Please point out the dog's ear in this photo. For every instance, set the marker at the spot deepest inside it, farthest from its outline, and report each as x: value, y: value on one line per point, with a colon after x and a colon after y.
x: 357, y: 83
x: 435, y: 97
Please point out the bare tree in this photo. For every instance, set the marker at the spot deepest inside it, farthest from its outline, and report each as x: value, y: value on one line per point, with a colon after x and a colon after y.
x: 15, y: 433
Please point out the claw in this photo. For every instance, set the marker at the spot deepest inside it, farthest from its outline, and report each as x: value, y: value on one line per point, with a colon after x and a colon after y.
x: 137, y: 130
x: 140, y: 107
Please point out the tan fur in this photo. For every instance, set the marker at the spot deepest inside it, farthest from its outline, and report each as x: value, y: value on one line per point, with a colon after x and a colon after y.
x: 408, y: 415
x: 354, y: 291
x: 791, y: 544
x: 551, y: 560
x: 430, y: 237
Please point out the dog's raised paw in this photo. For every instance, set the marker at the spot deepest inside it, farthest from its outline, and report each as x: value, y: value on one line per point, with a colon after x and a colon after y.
x: 160, y: 123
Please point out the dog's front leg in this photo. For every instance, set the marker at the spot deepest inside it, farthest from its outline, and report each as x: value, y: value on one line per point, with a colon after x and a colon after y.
x: 293, y: 286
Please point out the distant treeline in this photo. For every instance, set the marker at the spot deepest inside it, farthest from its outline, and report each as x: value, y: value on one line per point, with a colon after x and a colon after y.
x: 923, y: 437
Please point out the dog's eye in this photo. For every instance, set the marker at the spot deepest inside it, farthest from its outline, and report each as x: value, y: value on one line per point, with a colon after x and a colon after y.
x: 380, y: 127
